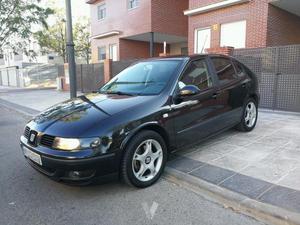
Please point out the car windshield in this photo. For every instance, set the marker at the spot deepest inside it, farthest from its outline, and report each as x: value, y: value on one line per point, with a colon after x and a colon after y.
x: 143, y: 78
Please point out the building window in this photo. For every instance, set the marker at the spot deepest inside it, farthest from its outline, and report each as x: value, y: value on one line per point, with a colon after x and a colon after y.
x: 234, y: 34
x: 113, y: 52
x: 202, y: 40
x: 101, y: 11
x: 101, y: 53
x: 133, y: 4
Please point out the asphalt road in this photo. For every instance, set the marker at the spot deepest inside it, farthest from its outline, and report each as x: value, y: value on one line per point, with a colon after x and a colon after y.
x: 27, y: 197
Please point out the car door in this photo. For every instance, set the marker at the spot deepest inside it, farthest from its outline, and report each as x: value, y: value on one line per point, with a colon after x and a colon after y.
x: 232, y: 90
x: 193, y: 115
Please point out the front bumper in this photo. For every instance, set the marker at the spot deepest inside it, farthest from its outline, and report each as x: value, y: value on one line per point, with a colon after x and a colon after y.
x: 74, y: 169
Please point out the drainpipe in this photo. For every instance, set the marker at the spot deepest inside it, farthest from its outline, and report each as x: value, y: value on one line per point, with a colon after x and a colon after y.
x: 151, y: 44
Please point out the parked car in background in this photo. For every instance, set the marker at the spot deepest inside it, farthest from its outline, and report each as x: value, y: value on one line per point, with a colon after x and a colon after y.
x: 137, y: 119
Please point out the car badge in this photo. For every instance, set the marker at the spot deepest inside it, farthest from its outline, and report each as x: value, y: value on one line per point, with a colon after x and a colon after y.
x: 32, y: 137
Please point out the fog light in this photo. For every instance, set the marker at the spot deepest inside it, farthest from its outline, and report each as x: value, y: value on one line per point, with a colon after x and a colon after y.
x: 81, y: 174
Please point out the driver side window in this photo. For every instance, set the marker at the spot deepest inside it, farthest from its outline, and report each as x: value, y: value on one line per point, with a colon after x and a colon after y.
x: 196, y: 74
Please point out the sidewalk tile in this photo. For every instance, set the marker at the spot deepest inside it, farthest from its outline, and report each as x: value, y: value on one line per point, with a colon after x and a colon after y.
x: 212, y: 174
x: 283, y: 197
x: 184, y: 164
x: 246, y: 185
x: 250, y: 154
x: 230, y: 162
x: 291, y: 180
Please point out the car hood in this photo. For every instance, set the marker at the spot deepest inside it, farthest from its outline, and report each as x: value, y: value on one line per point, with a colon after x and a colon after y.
x: 73, y: 117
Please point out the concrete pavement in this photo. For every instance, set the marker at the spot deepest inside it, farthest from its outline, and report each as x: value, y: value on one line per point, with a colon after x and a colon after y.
x: 35, y: 99
x: 262, y: 166
x: 27, y: 197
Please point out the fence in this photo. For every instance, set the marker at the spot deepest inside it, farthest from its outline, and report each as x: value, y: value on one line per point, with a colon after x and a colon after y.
x: 118, y: 66
x: 278, y: 71
x: 9, y: 77
x: 90, y: 77
x: 29, y: 75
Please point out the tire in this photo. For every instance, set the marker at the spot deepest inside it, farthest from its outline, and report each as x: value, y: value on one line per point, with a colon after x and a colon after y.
x: 144, y: 159
x: 248, y: 121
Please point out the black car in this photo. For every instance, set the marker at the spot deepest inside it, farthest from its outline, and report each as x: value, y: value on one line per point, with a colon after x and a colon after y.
x: 129, y: 127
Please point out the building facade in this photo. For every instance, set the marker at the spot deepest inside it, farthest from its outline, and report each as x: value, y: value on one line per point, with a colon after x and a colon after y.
x: 131, y: 29
x: 242, y: 23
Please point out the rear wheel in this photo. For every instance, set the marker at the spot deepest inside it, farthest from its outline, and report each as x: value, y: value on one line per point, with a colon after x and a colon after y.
x: 249, y: 118
x: 144, y: 159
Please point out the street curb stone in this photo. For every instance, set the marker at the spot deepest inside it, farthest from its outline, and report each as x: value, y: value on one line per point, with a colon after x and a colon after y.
x: 240, y: 203
x: 25, y: 111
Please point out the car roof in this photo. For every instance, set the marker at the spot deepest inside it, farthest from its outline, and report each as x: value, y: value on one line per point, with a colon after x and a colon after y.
x: 186, y: 57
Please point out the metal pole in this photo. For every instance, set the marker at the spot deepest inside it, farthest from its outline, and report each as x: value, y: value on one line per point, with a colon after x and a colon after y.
x: 151, y: 44
x: 70, y: 50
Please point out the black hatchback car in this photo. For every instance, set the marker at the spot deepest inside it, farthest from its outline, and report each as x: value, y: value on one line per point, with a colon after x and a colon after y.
x: 129, y: 127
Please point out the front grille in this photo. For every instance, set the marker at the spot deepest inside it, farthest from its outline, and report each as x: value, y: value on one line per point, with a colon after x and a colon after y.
x: 26, y: 132
x: 47, y: 140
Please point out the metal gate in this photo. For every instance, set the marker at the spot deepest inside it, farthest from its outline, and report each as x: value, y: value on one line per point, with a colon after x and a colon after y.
x: 278, y: 71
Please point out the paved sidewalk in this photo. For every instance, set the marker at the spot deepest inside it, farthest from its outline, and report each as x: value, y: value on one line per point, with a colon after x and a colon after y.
x: 263, y: 165
x: 35, y: 99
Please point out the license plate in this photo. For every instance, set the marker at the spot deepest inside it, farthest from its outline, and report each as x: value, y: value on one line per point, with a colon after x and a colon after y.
x: 32, y: 156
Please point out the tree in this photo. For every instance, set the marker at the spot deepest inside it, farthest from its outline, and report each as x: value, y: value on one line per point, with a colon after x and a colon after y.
x: 17, y: 18
x: 53, y: 39
x: 82, y: 39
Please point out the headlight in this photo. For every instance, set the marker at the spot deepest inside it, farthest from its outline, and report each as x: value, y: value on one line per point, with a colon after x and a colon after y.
x: 70, y: 144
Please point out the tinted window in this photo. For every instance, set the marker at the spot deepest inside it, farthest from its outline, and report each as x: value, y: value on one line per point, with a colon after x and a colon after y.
x: 239, y: 69
x: 196, y: 74
x: 224, y: 69
x: 144, y: 78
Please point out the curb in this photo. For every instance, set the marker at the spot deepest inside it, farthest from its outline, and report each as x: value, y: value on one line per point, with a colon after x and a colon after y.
x: 26, y: 111
x: 280, y: 112
x: 237, y: 202
x: 7, y: 90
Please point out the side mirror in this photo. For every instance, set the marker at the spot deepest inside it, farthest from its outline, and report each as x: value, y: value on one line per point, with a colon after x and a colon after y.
x: 189, y: 90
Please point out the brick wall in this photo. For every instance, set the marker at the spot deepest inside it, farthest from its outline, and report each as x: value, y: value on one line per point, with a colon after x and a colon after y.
x: 254, y: 12
x: 283, y: 27
x: 137, y: 49
x: 167, y: 17
x: 221, y: 50
x: 103, y: 42
x: 118, y: 17
x: 200, y: 3
x: 161, y: 16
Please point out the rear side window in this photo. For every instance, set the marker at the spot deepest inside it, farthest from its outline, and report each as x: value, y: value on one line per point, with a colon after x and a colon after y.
x: 239, y: 69
x: 224, y: 69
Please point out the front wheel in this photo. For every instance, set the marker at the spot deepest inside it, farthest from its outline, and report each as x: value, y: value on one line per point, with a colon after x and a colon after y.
x: 249, y: 118
x: 144, y: 159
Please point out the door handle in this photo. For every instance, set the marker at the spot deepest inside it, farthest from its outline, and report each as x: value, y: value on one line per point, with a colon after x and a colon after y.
x: 215, y: 95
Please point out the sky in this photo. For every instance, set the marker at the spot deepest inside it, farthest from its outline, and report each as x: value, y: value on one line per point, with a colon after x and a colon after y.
x: 79, y: 7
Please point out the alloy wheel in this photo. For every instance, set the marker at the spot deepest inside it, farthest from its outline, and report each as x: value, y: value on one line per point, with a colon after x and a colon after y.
x: 147, y: 160
x: 250, y: 114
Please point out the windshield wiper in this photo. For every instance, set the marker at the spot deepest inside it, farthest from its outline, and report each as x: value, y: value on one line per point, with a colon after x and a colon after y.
x: 118, y: 93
